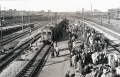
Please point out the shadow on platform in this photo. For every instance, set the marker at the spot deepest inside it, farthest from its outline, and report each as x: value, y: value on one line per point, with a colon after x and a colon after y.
x: 64, y: 55
x: 55, y: 62
x: 63, y: 49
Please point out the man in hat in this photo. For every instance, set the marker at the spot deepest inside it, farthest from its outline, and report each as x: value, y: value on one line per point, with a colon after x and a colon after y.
x: 57, y: 51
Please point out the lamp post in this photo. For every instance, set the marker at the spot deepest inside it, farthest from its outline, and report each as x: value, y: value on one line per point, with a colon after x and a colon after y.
x: 30, y: 37
x: 108, y: 18
x: 101, y: 19
x: 42, y: 11
x: 4, y: 14
x: 22, y: 19
x: 33, y: 16
x: 2, y: 21
x: 1, y: 25
x: 1, y: 30
x: 29, y: 16
x: 49, y: 15
x: 83, y: 15
x: 56, y: 17
x: 13, y: 15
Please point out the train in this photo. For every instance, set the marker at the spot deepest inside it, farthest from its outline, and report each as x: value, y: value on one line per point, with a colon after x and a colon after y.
x: 49, y: 33
x: 52, y: 31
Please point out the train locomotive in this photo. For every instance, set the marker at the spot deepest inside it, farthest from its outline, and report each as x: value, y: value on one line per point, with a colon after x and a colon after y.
x: 51, y: 32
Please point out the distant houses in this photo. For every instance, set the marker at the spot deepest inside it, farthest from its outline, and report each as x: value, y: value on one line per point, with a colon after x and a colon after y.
x: 113, y: 14
x: 14, y: 12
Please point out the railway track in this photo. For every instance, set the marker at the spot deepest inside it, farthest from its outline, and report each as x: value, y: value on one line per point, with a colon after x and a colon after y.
x: 8, y: 58
x: 35, y: 64
x: 10, y: 39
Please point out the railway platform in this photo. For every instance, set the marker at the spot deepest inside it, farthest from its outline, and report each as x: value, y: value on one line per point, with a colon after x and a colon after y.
x: 58, y: 66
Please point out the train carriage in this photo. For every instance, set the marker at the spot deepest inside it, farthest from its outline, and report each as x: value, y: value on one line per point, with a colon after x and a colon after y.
x: 52, y: 31
x: 46, y: 35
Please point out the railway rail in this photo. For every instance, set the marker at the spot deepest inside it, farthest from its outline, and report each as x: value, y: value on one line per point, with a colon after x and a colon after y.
x: 35, y: 64
x: 8, y: 58
x: 10, y: 39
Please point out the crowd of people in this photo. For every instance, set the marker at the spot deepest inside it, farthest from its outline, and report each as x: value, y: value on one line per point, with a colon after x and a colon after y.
x: 90, y: 58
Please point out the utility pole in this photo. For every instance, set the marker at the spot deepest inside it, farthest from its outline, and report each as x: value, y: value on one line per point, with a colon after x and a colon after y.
x: 101, y: 19
x: 49, y: 11
x: 51, y: 17
x: 0, y: 29
x: 48, y: 15
x: 22, y: 20
x: 4, y: 14
x: 30, y: 38
x: 42, y: 13
x: 13, y: 15
x: 29, y: 16
x: 83, y: 15
x: 56, y: 17
x: 1, y: 24
x: 109, y: 18
x: 24, y: 17
x: 33, y: 16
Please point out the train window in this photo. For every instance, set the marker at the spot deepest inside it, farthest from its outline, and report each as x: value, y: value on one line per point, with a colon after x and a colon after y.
x: 49, y: 33
x: 43, y: 33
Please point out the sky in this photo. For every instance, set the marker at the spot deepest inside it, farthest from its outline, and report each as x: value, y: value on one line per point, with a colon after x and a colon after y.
x: 60, y: 5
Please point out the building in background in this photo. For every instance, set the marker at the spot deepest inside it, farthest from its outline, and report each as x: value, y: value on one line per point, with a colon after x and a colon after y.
x: 114, y: 13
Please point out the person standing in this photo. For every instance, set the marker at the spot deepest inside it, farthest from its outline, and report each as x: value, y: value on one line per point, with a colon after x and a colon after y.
x: 70, y: 46
x: 57, y: 51
x: 52, y: 52
x: 54, y: 44
x: 61, y: 34
x: 73, y: 44
x: 74, y: 61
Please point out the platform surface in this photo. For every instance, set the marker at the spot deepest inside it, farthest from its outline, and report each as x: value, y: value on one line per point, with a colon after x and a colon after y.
x: 58, y: 66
